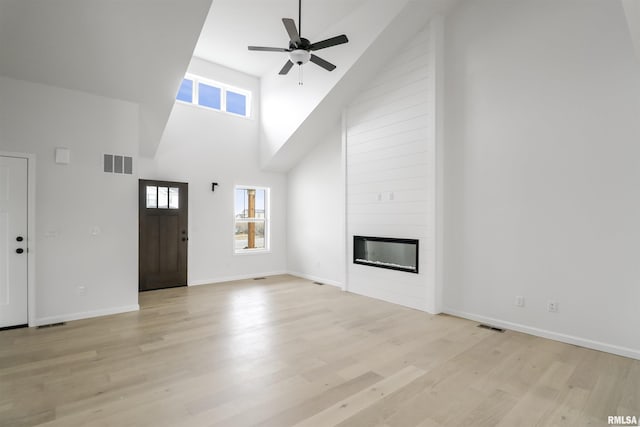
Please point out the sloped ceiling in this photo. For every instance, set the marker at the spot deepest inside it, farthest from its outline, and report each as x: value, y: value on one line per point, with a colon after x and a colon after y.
x: 139, y: 50
x: 232, y: 25
x: 327, y: 113
x: 136, y: 51
x: 295, y: 118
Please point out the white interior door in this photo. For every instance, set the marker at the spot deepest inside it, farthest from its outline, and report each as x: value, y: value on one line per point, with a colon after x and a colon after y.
x: 13, y: 241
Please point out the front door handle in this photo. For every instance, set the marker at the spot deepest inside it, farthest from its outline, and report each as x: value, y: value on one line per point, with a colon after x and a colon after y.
x: 19, y: 239
x: 19, y: 250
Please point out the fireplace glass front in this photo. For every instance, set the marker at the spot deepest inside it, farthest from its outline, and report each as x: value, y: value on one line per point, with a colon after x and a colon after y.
x: 385, y: 252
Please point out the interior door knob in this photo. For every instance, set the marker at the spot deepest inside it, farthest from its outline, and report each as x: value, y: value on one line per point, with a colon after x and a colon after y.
x: 19, y: 250
x: 19, y: 238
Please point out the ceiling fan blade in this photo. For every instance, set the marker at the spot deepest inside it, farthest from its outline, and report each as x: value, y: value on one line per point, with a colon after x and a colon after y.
x: 321, y: 62
x: 286, y: 68
x: 333, y: 41
x: 290, y: 26
x: 268, y: 49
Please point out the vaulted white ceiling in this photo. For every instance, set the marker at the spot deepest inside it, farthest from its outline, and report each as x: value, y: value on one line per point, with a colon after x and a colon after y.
x: 294, y: 118
x: 232, y: 25
x: 138, y: 51
x: 135, y: 51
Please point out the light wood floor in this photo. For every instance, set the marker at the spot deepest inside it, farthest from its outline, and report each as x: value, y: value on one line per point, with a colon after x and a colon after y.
x: 283, y: 351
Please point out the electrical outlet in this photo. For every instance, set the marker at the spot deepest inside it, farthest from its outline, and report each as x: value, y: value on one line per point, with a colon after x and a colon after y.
x: 82, y: 290
x: 519, y: 301
x: 552, y: 306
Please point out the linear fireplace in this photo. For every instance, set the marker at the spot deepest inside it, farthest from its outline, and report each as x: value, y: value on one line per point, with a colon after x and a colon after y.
x: 385, y: 252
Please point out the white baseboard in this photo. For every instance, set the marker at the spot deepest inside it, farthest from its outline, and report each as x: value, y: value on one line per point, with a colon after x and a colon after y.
x: 84, y: 315
x: 569, y: 339
x: 316, y: 279
x: 234, y: 278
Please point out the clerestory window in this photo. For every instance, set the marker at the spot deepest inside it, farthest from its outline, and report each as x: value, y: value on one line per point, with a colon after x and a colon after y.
x: 213, y: 95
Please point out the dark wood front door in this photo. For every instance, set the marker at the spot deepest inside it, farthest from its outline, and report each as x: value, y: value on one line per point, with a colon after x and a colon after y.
x: 163, y: 234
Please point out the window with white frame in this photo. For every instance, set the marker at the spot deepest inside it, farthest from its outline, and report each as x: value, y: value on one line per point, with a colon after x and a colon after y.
x: 216, y: 96
x: 251, y: 210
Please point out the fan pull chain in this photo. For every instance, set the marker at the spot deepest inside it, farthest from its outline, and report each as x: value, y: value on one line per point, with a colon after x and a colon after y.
x: 300, y: 83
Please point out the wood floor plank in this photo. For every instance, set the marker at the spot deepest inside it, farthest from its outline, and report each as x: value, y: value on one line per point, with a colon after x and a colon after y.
x: 21, y: 368
x: 318, y: 403
x: 540, y: 401
x: 350, y: 406
x: 282, y: 352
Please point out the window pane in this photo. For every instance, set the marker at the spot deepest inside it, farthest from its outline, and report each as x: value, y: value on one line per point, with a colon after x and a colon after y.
x: 260, y: 204
x: 250, y: 214
x: 236, y: 103
x: 250, y: 235
x: 152, y: 197
x: 241, y: 235
x: 174, y: 198
x: 209, y: 96
x: 250, y: 203
x: 185, y: 93
x: 242, y: 203
x: 163, y: 197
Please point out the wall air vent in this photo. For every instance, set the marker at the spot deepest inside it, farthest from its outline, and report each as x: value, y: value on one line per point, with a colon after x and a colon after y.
x: 114, y: 163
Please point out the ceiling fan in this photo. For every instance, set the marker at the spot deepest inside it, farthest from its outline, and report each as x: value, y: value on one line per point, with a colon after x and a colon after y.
x: 300, y: 48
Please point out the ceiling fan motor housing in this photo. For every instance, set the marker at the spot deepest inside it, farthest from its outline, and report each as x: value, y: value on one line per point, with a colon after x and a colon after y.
x: 300, y: 48
x: 299, y: 56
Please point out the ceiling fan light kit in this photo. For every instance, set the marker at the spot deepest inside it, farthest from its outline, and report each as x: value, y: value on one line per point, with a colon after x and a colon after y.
x: 299, y: 56
x: 300, y: 48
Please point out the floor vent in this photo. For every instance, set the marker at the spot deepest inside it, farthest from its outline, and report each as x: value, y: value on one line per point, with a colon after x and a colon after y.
x: 6, y: 328
x: 491, y: 328
x: 259, y: 278
x: 51, y: 325
x: 318, y: 283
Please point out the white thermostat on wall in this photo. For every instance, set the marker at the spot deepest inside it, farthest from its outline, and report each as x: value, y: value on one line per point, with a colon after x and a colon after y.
x: 63, y: 156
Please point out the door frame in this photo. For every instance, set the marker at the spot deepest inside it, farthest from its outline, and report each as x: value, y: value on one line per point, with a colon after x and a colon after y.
x: 31, y: 231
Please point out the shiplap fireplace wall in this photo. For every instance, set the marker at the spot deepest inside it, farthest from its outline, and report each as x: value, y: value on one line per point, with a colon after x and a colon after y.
x: 390, y: 137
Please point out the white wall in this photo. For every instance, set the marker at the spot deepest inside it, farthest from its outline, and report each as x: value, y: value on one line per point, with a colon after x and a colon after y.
x: 542, y: 169
x: 201, y: 146
x: 391, y: 173
x: 315, y: 212
x: 73, y: 199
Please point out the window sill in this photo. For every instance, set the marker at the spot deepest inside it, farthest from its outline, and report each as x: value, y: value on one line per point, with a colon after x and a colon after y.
x: 254, y: 252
